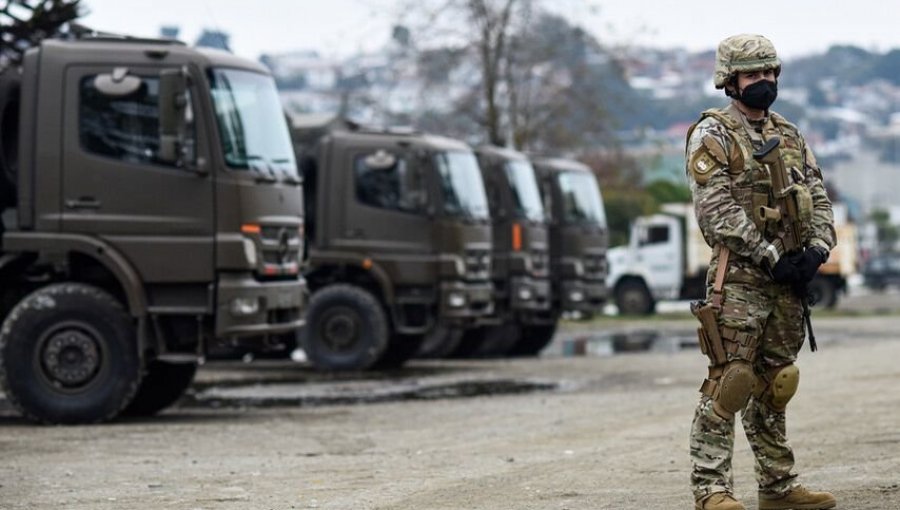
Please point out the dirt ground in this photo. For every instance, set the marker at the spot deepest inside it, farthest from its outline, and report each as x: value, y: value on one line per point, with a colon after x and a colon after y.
x: 588, y: 432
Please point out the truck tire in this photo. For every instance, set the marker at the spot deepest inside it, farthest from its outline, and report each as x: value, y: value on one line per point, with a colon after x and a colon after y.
x: 440, y: 342
x: 10, y: 85
x: 162, y: 385
x: 823, y: 293
x: 469, y: 343
x: 489, y: 341
x: 346, y: 329
x: 401, y: 349
x: 633, y: 298
x: 68, y: 354
x: 533, y: 340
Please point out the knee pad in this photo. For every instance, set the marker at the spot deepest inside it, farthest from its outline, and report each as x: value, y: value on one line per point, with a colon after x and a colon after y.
x: 783, y: 382
x: 734, y: 389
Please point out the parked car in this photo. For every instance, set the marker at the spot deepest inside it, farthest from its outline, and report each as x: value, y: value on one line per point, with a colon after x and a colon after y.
x: 882, y: 271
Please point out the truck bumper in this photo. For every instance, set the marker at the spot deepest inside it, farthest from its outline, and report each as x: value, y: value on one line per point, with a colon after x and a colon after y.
x: 583, y: 296
x: 529, y: 294
x: 463, y: 301
x: 247, y: 307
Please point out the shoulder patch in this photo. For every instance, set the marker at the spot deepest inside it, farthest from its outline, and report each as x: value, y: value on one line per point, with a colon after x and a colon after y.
x: 702, y: 164
x: 715, y: 149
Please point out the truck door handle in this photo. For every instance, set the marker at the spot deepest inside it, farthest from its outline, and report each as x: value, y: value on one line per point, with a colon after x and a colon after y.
x: 355, y: 232
x: 82, y: 203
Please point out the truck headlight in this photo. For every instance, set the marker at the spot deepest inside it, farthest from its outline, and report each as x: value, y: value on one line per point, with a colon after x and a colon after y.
x: 456, y: 299
x: 242, y: 306
x: 250, y: 252
x: 576, y: 296
x: 525, y: 294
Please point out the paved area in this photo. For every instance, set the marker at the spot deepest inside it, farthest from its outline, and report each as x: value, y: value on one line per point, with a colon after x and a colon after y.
x: 606, y: 430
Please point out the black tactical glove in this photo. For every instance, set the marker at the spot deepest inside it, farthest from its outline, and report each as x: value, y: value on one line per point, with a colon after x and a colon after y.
x: 808, y: 262
x: 785, y: 271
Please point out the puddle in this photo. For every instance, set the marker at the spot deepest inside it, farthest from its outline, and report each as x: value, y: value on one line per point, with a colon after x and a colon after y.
x: 608, y: 344
x: 355, y: 392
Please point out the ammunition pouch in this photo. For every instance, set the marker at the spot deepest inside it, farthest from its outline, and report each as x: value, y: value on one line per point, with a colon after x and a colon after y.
x: 804, y: 203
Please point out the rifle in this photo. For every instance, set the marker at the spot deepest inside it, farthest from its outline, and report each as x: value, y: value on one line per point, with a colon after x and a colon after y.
x: 786, y: 212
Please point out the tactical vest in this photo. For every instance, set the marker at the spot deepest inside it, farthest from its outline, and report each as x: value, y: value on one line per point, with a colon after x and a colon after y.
x: 751, y: 184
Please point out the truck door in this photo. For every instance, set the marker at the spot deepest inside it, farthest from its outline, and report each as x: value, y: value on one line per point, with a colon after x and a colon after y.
x: 659, y: 248
x: 386, y: 202
x: 159, y: 215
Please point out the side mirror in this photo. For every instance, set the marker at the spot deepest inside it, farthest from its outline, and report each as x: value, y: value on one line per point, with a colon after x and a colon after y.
x: 172, y: 121
x: 117, y: 83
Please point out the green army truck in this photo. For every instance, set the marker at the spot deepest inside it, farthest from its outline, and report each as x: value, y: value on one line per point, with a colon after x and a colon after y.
x: 520, y: 258
x: 151, y: 208
x: 399, y: 243
x: 579, y: 237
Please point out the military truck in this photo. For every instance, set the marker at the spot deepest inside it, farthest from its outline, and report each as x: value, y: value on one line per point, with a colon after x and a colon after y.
x: 578, y: 241
x: 151, y: 207
x: 399, y: 243
x: 520, y: 258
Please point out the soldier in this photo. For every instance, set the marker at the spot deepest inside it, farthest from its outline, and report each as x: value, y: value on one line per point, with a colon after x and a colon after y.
x: 755, y: 322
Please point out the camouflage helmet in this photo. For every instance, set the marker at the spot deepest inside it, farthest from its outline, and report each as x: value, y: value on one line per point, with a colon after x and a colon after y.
x: 744, y: 52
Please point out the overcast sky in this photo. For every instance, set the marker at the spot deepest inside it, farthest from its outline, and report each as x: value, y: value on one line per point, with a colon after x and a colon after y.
x: 340, y: 27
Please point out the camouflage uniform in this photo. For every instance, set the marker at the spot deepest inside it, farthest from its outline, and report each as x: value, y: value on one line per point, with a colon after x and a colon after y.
x: 764, y: 316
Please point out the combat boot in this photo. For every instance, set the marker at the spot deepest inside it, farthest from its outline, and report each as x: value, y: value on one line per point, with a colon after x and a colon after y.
x: 800, y: 498
x: 719, y: 501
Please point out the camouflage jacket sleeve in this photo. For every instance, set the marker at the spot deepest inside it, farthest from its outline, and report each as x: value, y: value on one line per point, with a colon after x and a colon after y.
x: 722, y: 220
x: 821, y: 232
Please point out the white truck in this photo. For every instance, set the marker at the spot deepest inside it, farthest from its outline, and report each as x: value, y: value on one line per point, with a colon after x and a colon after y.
x: 667, y: 258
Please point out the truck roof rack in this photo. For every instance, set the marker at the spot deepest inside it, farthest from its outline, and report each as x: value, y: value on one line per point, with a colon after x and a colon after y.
x: 25, y: 23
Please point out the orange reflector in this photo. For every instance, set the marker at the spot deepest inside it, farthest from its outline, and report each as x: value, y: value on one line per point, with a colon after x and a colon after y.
x: 516, y: 237
x: 367, y: 263
x: 250, y: 228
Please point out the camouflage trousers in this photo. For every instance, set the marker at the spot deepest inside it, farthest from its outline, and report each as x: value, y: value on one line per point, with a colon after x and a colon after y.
x: 775, y: 316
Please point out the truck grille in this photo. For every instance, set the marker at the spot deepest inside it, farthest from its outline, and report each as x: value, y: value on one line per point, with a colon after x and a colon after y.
x: 595, y: 266
x: 540, y: 262
x: 280, y: 247
x: 478, y: 264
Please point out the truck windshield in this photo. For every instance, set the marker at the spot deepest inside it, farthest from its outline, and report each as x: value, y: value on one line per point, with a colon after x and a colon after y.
x: 251, y: 123
x: 461, y: 185
x: 581, y: 200
x: 526, y: 197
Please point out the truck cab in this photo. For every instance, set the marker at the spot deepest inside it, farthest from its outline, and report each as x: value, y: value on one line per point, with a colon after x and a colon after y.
x: 666, y: 258
x: 579, y: 235
x: 399, y: 243
x: 521, y: 258
x: 157, y: 210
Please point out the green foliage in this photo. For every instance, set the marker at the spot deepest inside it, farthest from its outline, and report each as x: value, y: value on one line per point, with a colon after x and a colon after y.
x: 622, y: 207
x: 887, y: 234
x: 666, y: 192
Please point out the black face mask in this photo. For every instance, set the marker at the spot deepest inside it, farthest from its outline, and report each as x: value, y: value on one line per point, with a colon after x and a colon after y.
x: 760, y: 95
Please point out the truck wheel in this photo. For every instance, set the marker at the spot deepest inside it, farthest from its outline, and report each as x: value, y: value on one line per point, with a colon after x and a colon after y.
x: 400, y: 350
x: 469, y: 344
x: 533, y: 340
x: 163, y: 384
x: 495, y: 341
x: 68, y: 354
x: 346, y: 329
x: 823, y: 293
x: 440, y: 342
x: 633, y: 298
